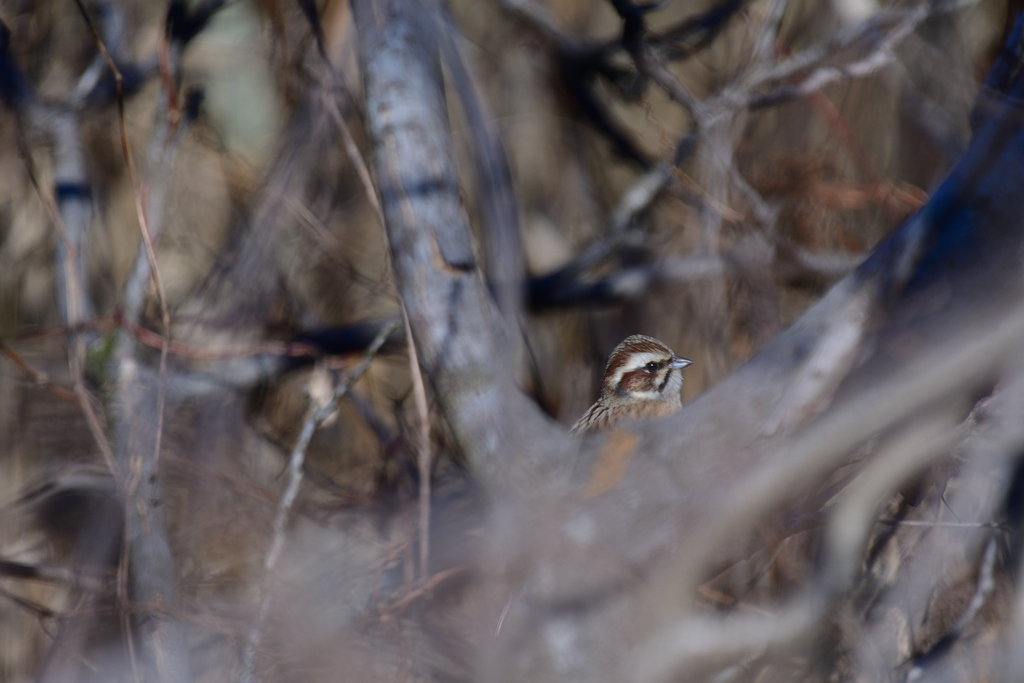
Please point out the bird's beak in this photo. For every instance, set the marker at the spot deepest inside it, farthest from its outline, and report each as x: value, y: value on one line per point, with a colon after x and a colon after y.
x: 680, y: 363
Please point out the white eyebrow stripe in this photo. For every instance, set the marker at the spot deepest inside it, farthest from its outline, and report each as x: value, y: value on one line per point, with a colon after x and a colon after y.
x: 636, y: 362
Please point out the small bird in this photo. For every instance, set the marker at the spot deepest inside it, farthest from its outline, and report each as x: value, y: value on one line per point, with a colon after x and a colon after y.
x: 642, y: 379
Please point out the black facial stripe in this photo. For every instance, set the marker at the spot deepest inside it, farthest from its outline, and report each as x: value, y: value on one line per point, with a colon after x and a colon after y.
x: 661, y: 387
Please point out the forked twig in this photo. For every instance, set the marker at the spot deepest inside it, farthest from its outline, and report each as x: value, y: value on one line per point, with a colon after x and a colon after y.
x: 315, y: 416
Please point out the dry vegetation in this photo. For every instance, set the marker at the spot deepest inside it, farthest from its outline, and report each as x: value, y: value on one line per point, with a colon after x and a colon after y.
x: 235, y: 465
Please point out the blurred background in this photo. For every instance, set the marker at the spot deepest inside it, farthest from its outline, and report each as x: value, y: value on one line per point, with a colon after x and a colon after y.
x: 244, y: 124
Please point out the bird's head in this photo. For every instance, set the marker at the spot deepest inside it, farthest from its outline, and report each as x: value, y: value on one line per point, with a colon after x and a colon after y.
x: 642, y: 369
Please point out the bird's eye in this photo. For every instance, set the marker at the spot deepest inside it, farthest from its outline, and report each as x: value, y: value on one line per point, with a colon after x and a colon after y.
x: 651, y: 367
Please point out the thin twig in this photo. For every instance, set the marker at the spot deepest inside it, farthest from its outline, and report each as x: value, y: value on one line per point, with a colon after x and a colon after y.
x: 419, y: 391
x: 28, y: 605
x: 74, y: 288
x: 815, y: 55
x: 315, y: 416
x: 945, y: 525
x: 882, y: 55
x: 768, y: 31
x: 352, y: 151
x: 140, y: 209
x: 38, y: 377
x: 11, y: 569
x: 423, y: 451
x: 427, y: 584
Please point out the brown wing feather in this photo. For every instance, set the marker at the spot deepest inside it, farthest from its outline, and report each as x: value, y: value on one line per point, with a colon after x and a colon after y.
x: 601, y: 416
x: 596, y: 417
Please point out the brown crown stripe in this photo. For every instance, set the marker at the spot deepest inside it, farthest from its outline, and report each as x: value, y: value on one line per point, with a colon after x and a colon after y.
x: 637, y: 343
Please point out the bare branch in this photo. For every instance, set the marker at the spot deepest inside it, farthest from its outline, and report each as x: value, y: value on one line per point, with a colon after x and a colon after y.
x: 698, y: 642
x: 450, y: 314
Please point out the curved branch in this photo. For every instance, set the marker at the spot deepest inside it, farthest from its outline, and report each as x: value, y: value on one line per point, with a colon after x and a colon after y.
x: 457, y: 330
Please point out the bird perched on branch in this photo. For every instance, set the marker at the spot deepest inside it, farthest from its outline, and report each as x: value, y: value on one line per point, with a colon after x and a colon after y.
x: 642, y: 380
